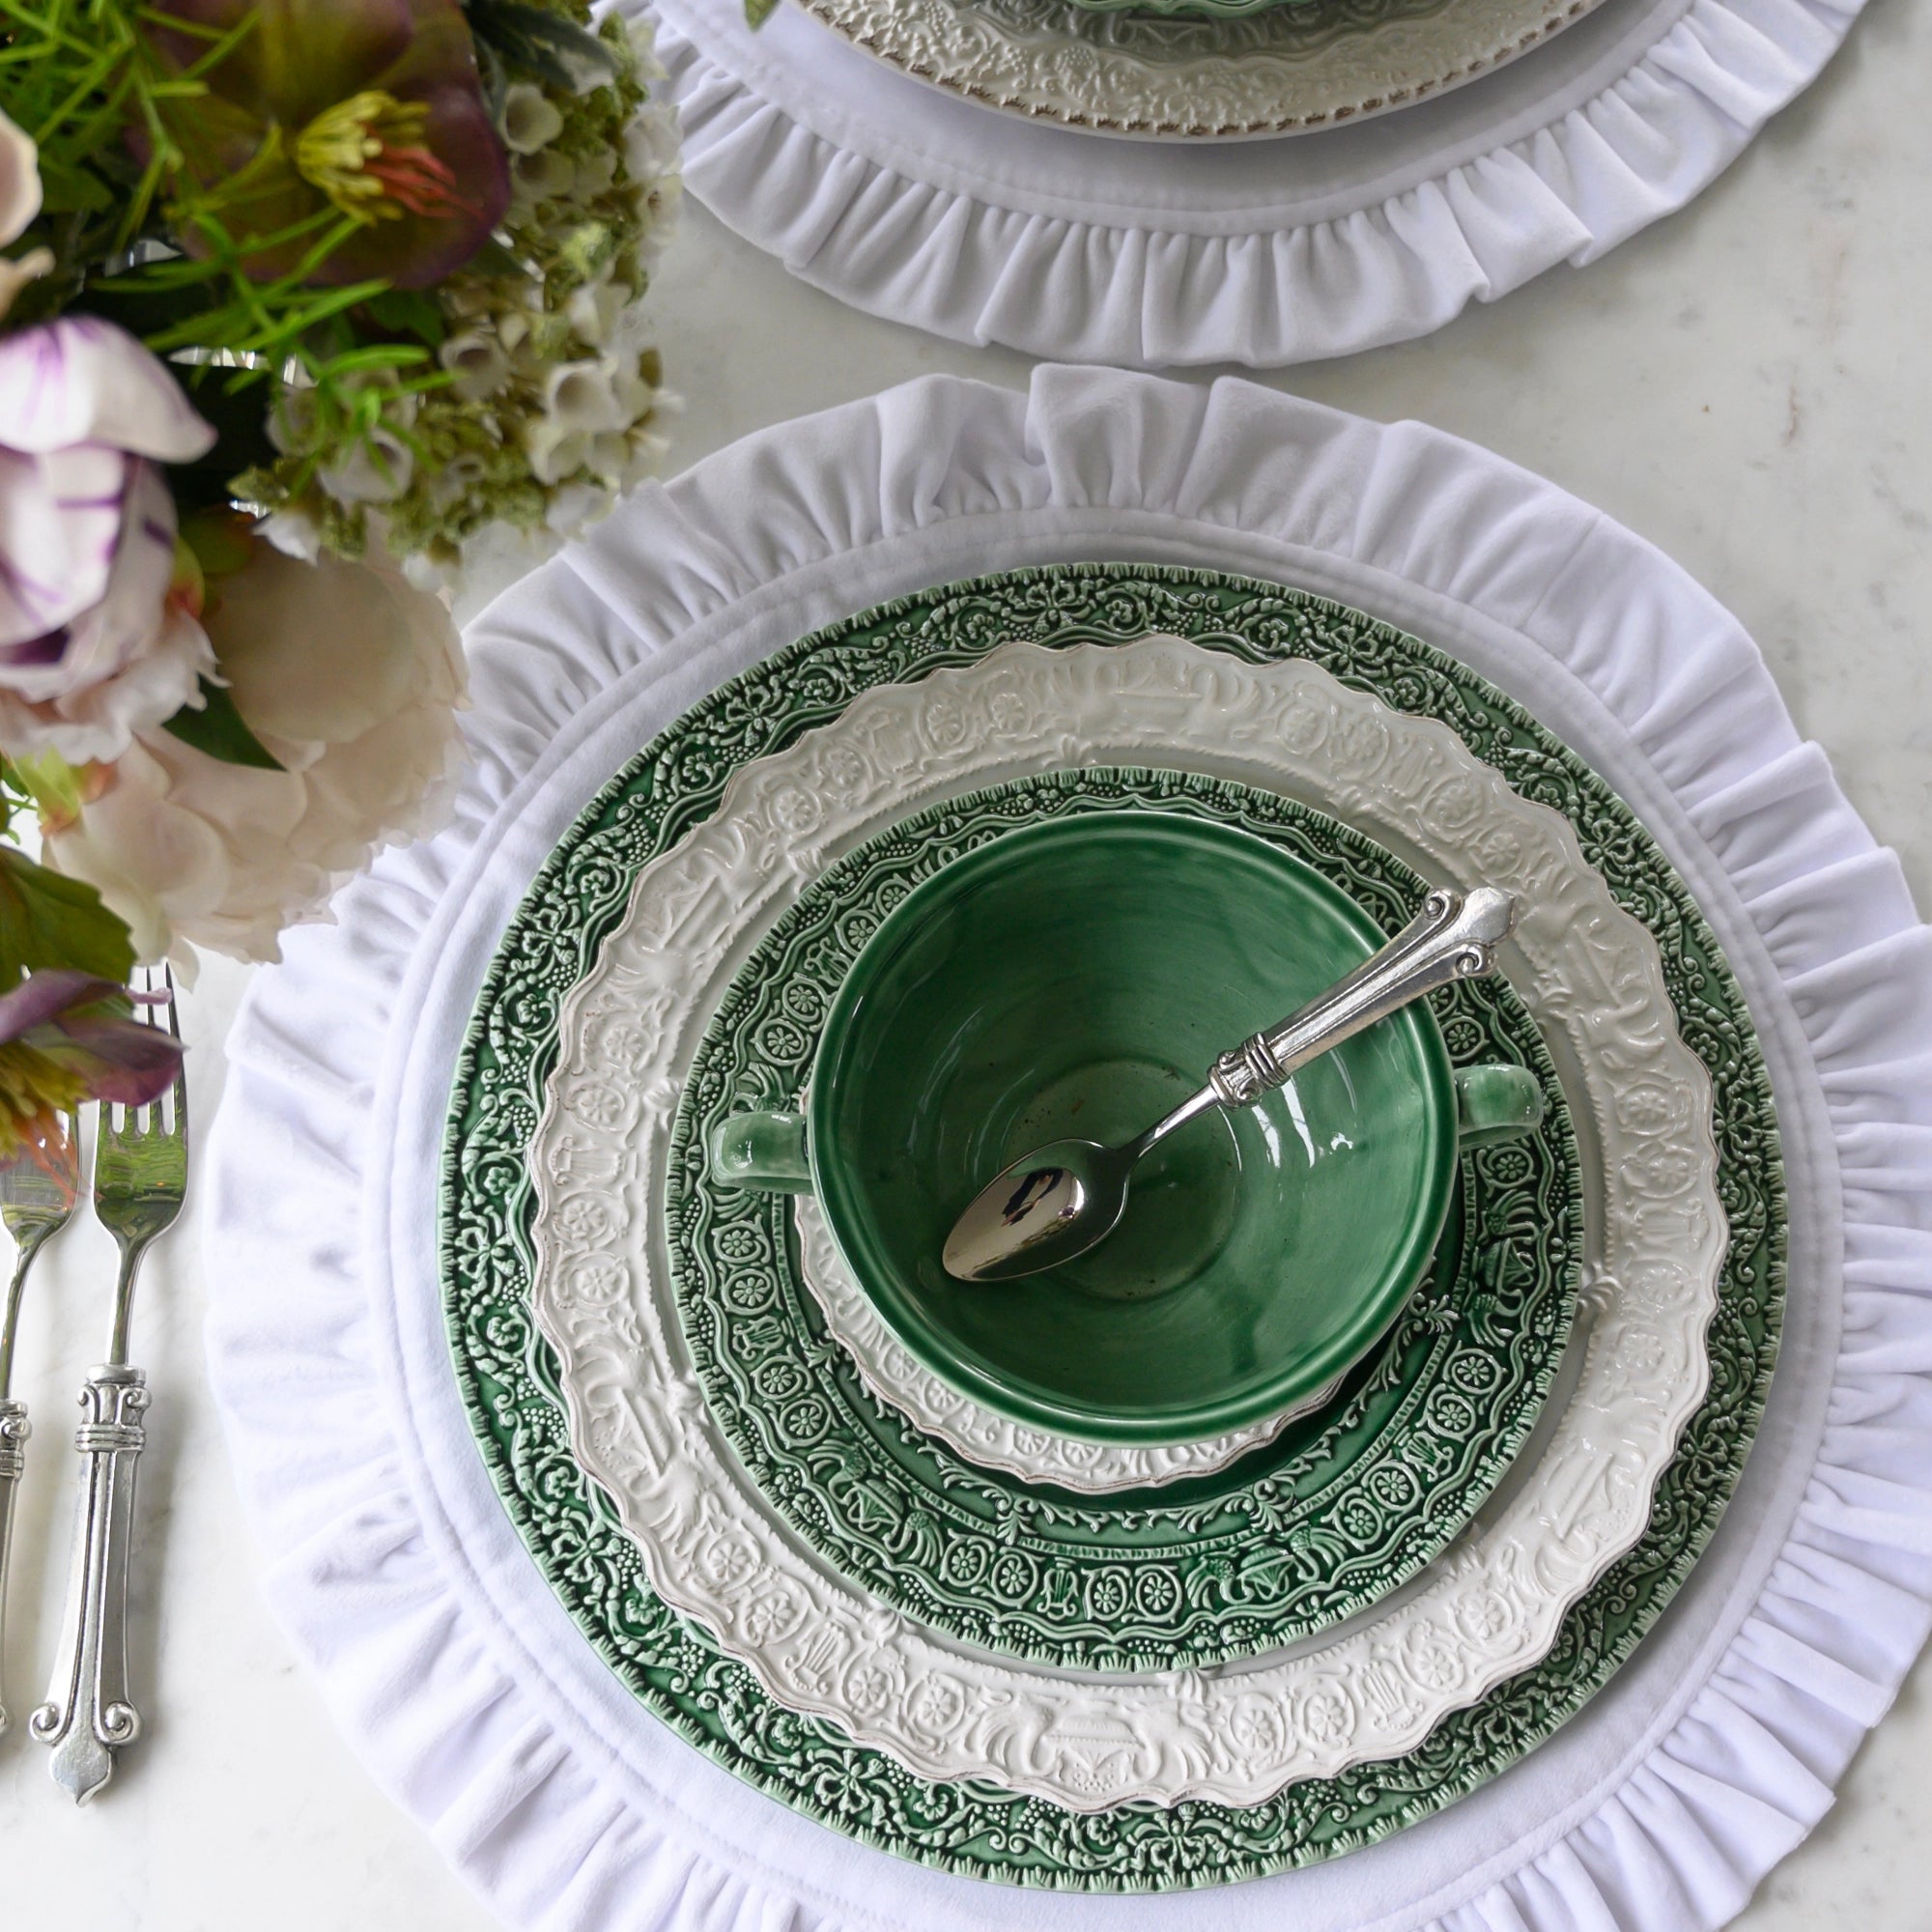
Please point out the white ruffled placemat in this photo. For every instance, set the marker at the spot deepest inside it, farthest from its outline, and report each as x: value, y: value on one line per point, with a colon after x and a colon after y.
x: 927, y: 209
x: 390, y: 1560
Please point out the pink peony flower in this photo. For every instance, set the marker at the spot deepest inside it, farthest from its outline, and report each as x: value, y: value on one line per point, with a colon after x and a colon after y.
x: 91, y: 650
x: 352, y: 679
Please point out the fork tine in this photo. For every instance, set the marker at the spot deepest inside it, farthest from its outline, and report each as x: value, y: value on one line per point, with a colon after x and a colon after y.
x: 125, y: 1124
x: 161, y: 979
x: 179, y: 1090
x: 166, y: 985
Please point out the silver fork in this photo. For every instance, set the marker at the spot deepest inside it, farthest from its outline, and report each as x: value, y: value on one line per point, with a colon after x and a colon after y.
x: 140, y: 1176
x: 37, y: 1190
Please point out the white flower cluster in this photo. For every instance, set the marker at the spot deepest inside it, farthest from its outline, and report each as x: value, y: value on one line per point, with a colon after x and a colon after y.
x: 553, y: 401
x: 583, y: 397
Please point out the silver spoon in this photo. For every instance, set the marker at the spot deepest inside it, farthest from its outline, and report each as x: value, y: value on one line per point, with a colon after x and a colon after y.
x: 1060, y: 1200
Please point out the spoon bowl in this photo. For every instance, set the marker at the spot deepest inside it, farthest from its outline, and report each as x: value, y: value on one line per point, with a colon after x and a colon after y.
x: 1046, y: 1207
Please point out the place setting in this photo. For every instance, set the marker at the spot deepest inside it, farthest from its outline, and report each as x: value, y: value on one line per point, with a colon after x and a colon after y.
x: 1081, y: 1225
x: 1182, y: 182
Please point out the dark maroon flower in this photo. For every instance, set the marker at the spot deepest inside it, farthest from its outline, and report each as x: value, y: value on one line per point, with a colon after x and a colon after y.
x: 371, y: 106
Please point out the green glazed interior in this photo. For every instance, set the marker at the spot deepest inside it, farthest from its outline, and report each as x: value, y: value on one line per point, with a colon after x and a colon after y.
x: 1077, y: 978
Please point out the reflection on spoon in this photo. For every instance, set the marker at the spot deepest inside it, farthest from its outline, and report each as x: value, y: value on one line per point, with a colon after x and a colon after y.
x: 1036, y: 1214
x: 1040, y: 1189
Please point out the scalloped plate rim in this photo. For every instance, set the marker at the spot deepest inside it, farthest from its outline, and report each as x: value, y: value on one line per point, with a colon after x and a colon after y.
x: 728, y: 1570
x: 519, y: 1425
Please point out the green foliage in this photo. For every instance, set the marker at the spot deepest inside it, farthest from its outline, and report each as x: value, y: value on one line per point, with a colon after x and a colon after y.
x: 409, y: 312
x: 46, y: 918
x: 217, y: 728
x: 49, y: 920
x: 758, y: 12
x: 137, y: 236
x: 536, y: 43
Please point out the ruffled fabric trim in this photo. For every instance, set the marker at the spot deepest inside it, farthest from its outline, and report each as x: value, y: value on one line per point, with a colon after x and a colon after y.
x: 434, y: 1638
x: 927, y: 210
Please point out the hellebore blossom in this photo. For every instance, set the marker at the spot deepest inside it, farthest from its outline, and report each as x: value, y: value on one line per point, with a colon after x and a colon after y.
x: 92, y: 648
x: 555, y: 401
x: 373, y: 107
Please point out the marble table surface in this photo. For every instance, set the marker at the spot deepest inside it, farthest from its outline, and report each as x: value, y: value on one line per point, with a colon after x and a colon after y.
x: 1747, y: 384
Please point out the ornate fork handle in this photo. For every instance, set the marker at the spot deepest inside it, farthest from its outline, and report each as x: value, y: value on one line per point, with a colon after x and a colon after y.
x: 88, y: 1713
x: 14, y: 1429
x: 1452, y: 938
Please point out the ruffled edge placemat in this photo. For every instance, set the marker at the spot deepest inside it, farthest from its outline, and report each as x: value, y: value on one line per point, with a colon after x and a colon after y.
x: 391, y: 1564
x: 924, y: 209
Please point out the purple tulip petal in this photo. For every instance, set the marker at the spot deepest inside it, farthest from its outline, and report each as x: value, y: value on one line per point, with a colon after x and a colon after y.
x: 43, y: 996
x: 80, y: 380
x: 35, y: 653
x: 125, y: 1060
x: 70, y: 1017
x: 125, y: 611
x: 54, y: 563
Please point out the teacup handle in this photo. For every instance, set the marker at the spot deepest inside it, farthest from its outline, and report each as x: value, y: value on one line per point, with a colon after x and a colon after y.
x: 764, y: 1152
x: 767, y: 1152
x: 1454, y: 936
x: 1497, y: 1103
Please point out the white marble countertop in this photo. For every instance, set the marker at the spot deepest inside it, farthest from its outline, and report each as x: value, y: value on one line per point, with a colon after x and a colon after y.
x: 1747, y: 384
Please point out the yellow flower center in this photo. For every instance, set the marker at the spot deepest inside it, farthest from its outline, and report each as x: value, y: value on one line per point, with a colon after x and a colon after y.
x: 370, y: 156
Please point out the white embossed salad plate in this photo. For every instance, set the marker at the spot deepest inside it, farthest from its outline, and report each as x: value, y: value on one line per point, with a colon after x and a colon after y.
x: 1490, y: 1607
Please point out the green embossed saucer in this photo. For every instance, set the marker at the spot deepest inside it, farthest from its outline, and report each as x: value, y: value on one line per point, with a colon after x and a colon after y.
x: 508, y: 1373
x: 1341, y: 1507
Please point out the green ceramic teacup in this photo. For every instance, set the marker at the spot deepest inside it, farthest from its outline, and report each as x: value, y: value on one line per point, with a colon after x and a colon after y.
x: 1078, y: 978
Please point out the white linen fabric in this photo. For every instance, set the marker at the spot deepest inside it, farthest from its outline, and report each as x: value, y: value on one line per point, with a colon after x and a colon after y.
x: 930, y: 208
x: 390, y: 1559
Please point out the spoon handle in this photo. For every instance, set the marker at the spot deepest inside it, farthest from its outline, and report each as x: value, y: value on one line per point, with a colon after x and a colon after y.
x: 1454, y: 937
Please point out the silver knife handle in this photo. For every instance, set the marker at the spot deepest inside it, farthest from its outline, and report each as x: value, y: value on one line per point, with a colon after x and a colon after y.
x: 1454, y: 937
x: 88, y: 1713
x: 14, y: 1429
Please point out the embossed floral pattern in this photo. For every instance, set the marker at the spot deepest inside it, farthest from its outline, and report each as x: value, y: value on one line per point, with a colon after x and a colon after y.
x: 983, y: 1438
x: 1595, y: 976
x: 1127, y: 71
x: 1294, y: 1540
x: 509, y: 1378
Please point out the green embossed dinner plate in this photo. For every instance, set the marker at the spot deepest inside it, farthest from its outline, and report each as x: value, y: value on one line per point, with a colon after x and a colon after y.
x: 1341, y: 1508
x: 508, y: 1376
